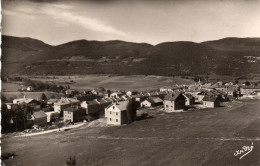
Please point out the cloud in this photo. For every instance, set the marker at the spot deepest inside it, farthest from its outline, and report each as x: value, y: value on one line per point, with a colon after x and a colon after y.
x: 83, y: 21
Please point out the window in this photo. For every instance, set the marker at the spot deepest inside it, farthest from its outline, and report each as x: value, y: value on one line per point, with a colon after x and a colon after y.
x: 110, y: 112
x: 113, y: 107
x: 116, y: 120
x: 110, y: 119
x: 167, y: 106
x: 116, y: 113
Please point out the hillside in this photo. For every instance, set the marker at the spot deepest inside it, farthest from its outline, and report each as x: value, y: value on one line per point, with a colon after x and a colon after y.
x: 229, y: 56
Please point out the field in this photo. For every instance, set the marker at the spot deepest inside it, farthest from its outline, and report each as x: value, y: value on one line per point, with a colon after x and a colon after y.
x: 134, y: 82
x: 207, y: 137
x: 33, y: 95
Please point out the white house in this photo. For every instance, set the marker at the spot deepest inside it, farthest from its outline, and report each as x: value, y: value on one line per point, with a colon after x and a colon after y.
x: 116, y: 113
x: 63, y: 103
x: 146, y: 103
x: 128, y: 93
x: 114, y: 95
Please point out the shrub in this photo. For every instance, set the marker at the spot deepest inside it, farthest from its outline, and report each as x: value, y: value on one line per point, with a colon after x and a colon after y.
x: 71, y: 161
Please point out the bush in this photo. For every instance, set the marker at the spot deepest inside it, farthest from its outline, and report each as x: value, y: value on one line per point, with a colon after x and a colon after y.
x: 71, y: 161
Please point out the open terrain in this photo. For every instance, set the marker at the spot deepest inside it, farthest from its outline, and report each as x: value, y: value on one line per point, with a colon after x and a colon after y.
x: 207, y: 137
x: 133, y: 82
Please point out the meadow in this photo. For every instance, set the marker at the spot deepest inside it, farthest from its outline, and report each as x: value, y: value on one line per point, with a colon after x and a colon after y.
x: 208, y: 137
x: 133, y: 82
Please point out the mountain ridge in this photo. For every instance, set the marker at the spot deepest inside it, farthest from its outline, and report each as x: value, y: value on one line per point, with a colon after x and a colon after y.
x: 227, y: 56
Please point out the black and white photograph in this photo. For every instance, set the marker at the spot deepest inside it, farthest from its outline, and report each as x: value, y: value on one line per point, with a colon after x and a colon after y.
x: 130, y: 83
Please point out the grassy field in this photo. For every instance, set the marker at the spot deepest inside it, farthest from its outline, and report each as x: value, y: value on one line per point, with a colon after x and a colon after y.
x: 33, y: 95
x: 199, y: 138
x: 135, y: 82
x: 10, y: 87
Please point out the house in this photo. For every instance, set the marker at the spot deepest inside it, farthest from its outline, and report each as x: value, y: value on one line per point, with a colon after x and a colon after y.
x: 212, y: 101
x: 137, y: 97
x: 155, y: 101
x: 166, y: 89
x: 39, y: 118
x: 63, y: 103
x: 70, y: 92
x: 128, y: 93
x: 162, y: 94
x: 29, y: 88
x: 52, y: 116
x: 123, y: 98
x: 174, y: 101
x: 103, y: 103
x: 73, y: 114
x: 146, y: 95
x: 116, y: 113
x: 28, y: 101
x: 52, y: 101
x: 94, y: 92
x: 105, y: 94
x: 114, y: 95
x: 109, y: 100
x: 154, y: 94
x: 248, y: 90
x: 146, y: 103
x: 9, y: 105
x: 190, y: 100
x: 93, y: 107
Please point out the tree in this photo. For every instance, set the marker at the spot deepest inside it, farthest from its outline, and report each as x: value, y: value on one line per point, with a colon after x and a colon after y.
x: 131, y: 111
x: 59, y: 124
x: 71, y: 161
x: 247, y: 83
x: 236, y: 82
x: 52, y: 97
x: 43, y: 97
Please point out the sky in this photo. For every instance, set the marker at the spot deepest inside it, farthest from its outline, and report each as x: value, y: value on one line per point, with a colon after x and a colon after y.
x: 150, y: 21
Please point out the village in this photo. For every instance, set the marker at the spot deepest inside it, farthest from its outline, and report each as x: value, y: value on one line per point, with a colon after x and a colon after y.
x: 117, y: 107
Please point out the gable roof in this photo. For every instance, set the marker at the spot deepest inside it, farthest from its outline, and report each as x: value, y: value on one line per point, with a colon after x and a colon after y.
x: 155, y: 100
x: 24, y: 100
x: 109, y: 100
x: 172, y: 96
x: 93, y: 102
x: 210, y: 98
x: 188, y: 96
x: 65, y: 101
x: 70, y: 109
x: 122, y: 105
x: 102, y: 101
x: 39, y: 114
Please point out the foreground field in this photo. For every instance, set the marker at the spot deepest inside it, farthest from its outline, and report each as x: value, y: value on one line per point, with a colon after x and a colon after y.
x: 203, y: 137
x: 134, y: 82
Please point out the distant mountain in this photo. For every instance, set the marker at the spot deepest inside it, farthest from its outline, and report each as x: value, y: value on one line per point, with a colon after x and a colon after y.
x: 228, y: 56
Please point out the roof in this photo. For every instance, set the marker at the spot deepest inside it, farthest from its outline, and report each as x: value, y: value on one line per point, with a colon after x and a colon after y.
x: 64, y: 101
x: 251, y: 87
x: 154, y: 94
x: 93, y: 102
x: 52, y: 100
x: 39, y: 114
x: 163, y: 93
x: 155, y: 100
x: 188, y: 95
x: 122, y: 105
x: 70, y: 109
x: 172, y: 96
x: 210, y: 98
x: 102, y: 101
x: 24, y: 100
x: 109, y: 100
